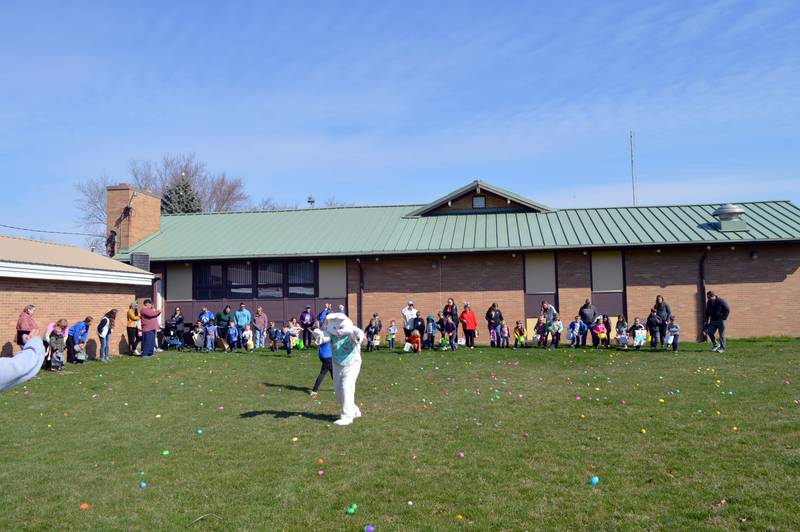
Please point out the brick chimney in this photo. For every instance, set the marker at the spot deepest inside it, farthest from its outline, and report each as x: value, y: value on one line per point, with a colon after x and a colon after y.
x: 133, y: 214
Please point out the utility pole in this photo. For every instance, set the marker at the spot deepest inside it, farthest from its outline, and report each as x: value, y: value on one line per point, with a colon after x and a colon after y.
x: 633, y: 169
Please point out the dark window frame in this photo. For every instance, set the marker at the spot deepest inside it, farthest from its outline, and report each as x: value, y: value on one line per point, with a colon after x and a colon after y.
x: 223, y: 293
x: 229, y: 284
x: 197, y: 287
x: 281, y: 285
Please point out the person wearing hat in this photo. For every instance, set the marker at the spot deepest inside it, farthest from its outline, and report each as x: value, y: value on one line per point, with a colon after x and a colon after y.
x: 409, y: 315
x: 307, y: 323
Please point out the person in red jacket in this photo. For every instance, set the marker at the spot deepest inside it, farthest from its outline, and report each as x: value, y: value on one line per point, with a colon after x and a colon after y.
x: 150, y: 325
x: 469, y: 323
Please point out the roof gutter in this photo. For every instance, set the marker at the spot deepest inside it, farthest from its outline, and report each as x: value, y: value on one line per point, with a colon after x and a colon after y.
x: 47, y: 272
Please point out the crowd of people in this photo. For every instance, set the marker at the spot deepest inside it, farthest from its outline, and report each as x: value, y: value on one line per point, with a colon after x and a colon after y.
x: 448, y: 329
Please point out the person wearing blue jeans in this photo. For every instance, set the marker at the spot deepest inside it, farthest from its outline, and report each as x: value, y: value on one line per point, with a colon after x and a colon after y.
x: 241, y: 317
x: 104, y: 332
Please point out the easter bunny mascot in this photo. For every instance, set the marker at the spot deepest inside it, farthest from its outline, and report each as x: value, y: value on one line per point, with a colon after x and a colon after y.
x: 345, y: 339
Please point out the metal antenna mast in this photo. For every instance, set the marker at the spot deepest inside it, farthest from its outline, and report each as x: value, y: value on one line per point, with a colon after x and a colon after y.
x: 633, y: 169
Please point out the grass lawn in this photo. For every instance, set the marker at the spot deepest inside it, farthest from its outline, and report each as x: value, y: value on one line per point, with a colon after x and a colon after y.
x: 529, y: 445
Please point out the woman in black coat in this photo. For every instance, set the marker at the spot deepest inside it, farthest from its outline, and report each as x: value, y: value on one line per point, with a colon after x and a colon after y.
x: 663, y: 312
x: 450, y: 309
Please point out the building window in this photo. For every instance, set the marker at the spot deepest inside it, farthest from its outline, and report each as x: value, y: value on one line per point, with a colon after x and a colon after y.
x: 270, y: 279
x: 478, y: 202
x: 240, y: 281
x: 262, y: 280
x: 300, y: 279
x: 208, y: 281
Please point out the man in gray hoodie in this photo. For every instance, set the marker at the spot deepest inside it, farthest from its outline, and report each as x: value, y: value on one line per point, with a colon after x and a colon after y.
x: 24, y: 365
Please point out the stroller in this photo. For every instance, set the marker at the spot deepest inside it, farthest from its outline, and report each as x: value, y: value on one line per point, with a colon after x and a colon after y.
x: 171, y: 337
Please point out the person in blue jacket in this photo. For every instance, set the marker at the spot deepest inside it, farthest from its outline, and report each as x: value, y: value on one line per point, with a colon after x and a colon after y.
x: 325, y: 354
x: 78, y: 335
x: 205, y: 316
x: 242, y: 317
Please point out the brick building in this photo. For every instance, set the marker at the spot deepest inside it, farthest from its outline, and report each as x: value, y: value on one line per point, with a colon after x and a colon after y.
x: 479, y: 244
x: 64, y: 282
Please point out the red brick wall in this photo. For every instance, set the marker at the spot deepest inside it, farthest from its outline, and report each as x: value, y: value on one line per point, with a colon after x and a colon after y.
x: 764, y: 294
x: 479, y: 279
x: 69, y: 300
x: 574, y: 282
x: 673, y: 273
x: 144, y: 219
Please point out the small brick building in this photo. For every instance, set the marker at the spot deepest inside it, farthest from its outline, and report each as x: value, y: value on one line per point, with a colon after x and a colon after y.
x: 64, y: 282
x: 479, y: 244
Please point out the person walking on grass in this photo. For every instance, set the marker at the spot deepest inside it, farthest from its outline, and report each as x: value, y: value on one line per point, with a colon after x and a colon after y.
x: 717, y: 312
x: 493, y: 318
x: 150, y: 325
x: 469, y: 324
x: 133, y: 328
x: 325, y: 358
x: 26, y: 324
x: 104, y: 328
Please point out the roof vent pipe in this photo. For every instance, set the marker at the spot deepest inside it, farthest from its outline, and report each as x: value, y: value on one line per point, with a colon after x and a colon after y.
x: 730, y: 218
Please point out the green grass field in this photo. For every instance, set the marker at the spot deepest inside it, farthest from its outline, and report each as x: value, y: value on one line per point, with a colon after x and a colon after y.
x: 529, y: 445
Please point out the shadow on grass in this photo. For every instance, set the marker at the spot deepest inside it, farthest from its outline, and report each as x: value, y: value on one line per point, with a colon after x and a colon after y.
x: 292, y: 387
x: 284, y: 414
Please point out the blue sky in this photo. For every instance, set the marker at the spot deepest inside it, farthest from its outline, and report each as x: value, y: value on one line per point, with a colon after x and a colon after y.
x: 401, y: 102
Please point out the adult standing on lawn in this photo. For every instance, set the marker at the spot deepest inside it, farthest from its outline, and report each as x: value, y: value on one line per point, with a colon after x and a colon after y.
x: 469, y: 323
x: 150, y: 325
x: 307, y: 324
x: 180, y: 324
x: 663, y: 312
x: 549, y: 313
x: 260, y: 323
x: 717, y: 311
x: 104, y: 329
x: 493, y: 318
x: 241, y: 318
x: 26, y: 324
x: 224, y: 317
x: 409, y: 315
x: 588, y: 313
x: 133, y: 327
x: 450, y: 309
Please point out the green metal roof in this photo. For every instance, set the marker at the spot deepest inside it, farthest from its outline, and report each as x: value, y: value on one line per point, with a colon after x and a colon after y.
x: 383, y: 230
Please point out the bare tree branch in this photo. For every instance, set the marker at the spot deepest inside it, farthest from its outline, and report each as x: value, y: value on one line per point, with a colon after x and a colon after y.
x: 333, y: 202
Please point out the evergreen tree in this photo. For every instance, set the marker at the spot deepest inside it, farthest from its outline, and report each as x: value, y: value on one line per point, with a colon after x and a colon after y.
x: 180, y: 197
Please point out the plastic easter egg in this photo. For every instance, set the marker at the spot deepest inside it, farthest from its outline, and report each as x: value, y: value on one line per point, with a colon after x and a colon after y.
x: 350, y: 511
x: 165, y: 452
x: 85, y: 506
x: 410, y: 504
x: 320, y: 472
x: 143, y: 484
x: 199, y: 432
x: 461, y: 454
x: 594, y: 480
x: 369, y: 528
